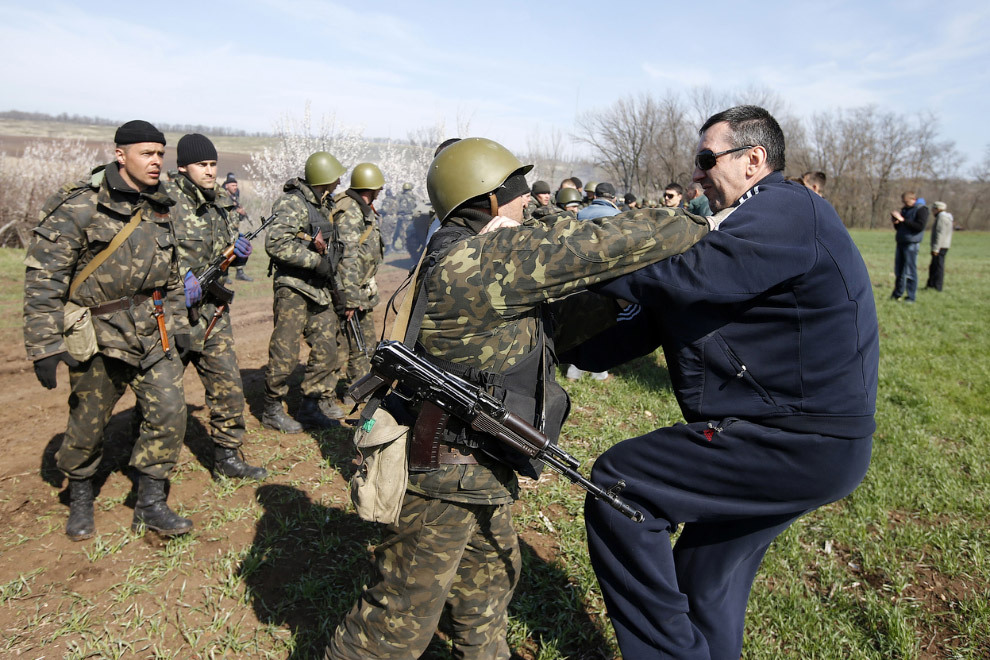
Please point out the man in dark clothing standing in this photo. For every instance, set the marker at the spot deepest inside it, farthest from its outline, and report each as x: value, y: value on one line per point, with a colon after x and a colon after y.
x: 910, y: 225
x: 770, y: 333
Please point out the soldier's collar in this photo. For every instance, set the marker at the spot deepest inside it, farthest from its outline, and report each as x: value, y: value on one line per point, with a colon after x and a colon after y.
x: 473, y: 219
x: 356, y: 196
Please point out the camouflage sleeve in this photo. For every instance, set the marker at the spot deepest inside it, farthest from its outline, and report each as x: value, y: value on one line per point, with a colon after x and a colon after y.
x: 282, y: 242
x: 350, y: 225
x: 52, y: 253
x: 522, y: 266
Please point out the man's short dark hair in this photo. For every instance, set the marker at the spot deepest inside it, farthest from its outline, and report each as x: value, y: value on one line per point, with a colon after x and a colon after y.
x: 577, y: 182
x: 752, y: 125
x: 818, y: 178
x: 676, y: 187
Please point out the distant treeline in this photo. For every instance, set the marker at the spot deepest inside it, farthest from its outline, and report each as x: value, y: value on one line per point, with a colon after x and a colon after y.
x: 65, y: 117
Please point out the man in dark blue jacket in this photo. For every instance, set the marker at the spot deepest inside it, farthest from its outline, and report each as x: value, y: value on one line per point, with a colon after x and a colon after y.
x: 770, y: 332
x: 910, y: 226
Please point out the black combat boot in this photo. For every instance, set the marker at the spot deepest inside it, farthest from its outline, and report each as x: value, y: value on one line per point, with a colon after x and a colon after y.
x: 275, y: 417
x: 80, y: 526
x: 229, y: 462
x: 151, y: 510
x: 312, y: 417
x: 241, y: 275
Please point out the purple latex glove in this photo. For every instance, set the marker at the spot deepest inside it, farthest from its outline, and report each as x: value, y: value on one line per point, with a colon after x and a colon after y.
x: 242, y: 247
x: 194, y: 292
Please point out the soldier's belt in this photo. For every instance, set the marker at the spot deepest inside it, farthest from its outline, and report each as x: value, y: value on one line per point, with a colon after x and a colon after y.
x: 116, y: 305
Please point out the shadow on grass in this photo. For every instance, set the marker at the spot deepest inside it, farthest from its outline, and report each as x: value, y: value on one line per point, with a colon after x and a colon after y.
x: 645, y: 372
x: 309, y: 563
x: 119, y: 437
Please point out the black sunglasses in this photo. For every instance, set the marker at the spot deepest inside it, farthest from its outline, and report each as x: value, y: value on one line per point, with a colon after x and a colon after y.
x: 705, y: 160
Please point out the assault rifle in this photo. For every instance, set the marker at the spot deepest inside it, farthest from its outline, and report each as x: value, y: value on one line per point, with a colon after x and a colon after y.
x: 336, y: 295
x: 394, y: 361
x: 209, y: 280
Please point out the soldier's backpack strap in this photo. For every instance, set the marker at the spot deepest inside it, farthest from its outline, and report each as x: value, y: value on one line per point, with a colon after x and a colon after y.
x: 104, y: 254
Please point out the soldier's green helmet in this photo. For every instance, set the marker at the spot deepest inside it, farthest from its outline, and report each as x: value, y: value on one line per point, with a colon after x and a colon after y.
x: 407, y: 186
x: 467, y: 169
x: 322, y: 168
x: 590, y: 187
x: 367, y: 176
x: 567, y: 196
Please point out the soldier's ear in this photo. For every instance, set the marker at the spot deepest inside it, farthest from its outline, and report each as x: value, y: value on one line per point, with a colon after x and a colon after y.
x: 118, y: 153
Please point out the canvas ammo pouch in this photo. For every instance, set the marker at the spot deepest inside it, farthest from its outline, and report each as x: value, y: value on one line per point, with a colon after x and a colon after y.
x: 379, y: 485
x: 78, y: 332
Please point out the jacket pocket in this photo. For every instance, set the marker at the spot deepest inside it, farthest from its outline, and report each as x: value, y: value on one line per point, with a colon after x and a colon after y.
x: 730, y: 369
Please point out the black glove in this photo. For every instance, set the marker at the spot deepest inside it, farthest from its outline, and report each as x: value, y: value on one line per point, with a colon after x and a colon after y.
x: 323, y: 269
x: 44, y: 368
x: 182, y: 345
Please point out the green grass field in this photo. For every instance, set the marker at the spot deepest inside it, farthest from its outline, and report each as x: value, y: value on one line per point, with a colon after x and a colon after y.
x: 899, y: 569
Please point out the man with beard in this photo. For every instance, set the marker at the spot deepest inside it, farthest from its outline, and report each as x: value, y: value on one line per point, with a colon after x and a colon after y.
x: 205, y: 219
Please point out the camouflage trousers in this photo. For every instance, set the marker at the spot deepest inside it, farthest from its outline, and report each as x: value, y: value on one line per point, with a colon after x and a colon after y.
x: 353, y: 363
x: 221, y: 377
x: 442, y: 557
x: 97, y: 385
x: 297, y: 316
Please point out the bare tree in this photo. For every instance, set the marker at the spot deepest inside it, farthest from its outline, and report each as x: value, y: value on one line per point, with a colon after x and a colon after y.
x: 545, y: 150
x: 621, y: 138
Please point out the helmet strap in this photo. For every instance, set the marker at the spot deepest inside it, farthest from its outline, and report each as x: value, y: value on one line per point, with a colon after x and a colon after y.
x: 493, y: 202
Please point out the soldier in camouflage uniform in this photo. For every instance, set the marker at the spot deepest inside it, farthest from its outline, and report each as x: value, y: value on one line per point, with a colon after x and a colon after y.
x: 302, y: 245
x: 206, y: 220
x: 122, y: 295
x: 405, y: 206
x: 540, y: 203
x: 454, y: 546
x: 233, y: 189
x: 357, y: 224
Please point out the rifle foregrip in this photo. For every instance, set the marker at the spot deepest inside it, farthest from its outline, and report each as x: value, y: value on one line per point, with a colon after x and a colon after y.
x: 527, y: 432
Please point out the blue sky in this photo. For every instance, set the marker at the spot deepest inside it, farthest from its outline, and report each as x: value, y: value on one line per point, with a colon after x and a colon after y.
x: 515, y: 71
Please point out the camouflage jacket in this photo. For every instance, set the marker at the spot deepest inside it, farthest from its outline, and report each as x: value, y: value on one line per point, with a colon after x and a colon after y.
x: 358, y: 228
x: 77, y: 224
x: 406, y: 203
x: 295, y: 260
x: 539, y: 212
x: 203, y: 230
x: 484, y: 300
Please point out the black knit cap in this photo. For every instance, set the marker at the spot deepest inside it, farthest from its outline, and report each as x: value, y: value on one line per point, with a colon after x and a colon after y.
x: 541, y: 187
x: 138, y: 130
x: 194, y: 148
x: 230, y: 178
x: 513, y: 187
